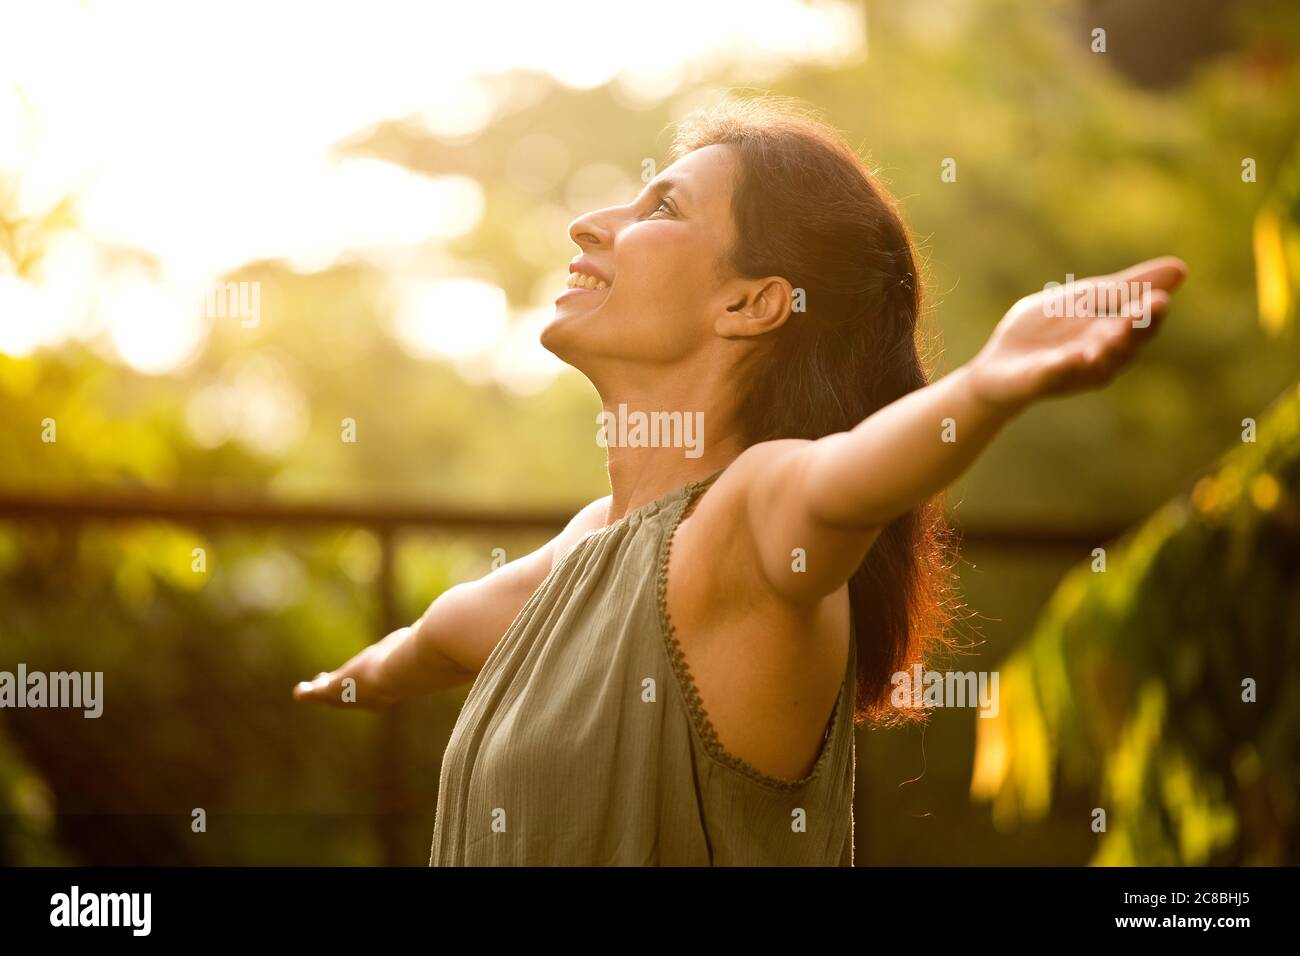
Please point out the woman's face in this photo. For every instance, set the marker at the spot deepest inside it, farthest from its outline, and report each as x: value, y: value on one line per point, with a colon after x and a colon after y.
x: 659, y: 256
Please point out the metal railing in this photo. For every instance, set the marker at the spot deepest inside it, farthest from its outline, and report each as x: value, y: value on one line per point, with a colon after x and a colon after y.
x: 386, y: 522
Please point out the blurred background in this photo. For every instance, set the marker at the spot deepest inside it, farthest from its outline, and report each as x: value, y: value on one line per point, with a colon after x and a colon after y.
x: 230, y: 233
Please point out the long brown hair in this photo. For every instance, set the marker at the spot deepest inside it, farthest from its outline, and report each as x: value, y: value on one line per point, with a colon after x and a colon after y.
x: 807, y: 208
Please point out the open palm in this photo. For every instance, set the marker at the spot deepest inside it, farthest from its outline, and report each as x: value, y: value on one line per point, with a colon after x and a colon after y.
x: 1075, y: 336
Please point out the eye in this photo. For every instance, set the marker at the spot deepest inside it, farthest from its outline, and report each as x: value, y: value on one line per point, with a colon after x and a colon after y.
x: 665, y: 204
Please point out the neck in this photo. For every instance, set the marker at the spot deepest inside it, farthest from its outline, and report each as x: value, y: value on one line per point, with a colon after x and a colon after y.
x: 657, y: 444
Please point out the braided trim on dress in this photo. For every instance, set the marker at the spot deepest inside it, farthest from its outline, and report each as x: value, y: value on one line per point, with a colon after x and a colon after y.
x: 694, y: 704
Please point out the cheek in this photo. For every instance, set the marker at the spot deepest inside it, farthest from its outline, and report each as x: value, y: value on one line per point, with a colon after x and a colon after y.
x: 659, y: 252
x: 669, y: 271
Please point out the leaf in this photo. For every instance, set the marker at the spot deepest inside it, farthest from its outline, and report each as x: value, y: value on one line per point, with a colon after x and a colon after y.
x: 1273, y: 288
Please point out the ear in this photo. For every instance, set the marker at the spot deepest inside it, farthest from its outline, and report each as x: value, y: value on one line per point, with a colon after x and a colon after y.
x: 754, y: 307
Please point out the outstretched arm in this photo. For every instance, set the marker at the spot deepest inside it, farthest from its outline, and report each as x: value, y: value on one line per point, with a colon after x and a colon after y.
x: 834, y: 495
x: 446, y: 647
x: 452, y: 640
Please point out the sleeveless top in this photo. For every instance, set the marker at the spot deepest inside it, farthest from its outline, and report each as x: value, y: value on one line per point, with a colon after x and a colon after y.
x: 583, y: 740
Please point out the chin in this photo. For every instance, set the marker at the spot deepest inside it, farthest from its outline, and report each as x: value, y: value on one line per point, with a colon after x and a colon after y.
x: 560, y: 337
x: 577, y: 344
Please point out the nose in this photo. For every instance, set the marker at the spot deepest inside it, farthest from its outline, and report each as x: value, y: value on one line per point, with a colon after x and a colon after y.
x: 590, y: 231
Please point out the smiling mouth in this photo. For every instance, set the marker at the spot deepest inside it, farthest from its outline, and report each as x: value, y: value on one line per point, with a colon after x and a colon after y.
x: 589, y: 283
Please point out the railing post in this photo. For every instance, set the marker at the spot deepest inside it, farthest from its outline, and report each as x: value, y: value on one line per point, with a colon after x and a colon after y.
x: 390, y: 749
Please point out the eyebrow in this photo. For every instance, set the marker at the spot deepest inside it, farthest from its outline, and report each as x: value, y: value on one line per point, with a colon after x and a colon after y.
x: 663, y: 185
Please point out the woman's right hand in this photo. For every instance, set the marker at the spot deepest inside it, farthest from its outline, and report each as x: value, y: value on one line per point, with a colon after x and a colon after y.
x: 333, y: 689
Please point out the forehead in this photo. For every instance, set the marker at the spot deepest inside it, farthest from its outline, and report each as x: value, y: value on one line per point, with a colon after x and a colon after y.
x: 704, y: 175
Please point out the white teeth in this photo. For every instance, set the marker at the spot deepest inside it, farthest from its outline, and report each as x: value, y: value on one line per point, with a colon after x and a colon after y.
x: 580, y: 280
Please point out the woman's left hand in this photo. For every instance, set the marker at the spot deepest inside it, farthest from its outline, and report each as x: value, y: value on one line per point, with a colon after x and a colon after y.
x: 1075, y: 336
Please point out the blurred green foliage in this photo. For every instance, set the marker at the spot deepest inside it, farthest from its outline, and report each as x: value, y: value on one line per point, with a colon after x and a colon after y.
x: 1164, y: 683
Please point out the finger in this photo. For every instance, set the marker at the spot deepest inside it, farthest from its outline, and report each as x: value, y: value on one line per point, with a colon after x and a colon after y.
x: 1099, y: 296
x: 1071, y: 367
x: 1147, y: 312
x: 1165, y: 272
x: 1113, y: 294
x: 1100, y: 363
x: 312, y: 688
x: 1093, y: 361
x: 1121, y: 337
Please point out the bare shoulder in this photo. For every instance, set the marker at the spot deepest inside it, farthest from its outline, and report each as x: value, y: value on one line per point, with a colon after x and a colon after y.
x: 715, y: 535
x: 743, y: 481
x: 758, y: 514
x: 590, y: 517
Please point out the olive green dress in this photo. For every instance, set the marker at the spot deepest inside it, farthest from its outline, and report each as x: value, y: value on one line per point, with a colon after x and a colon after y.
x: 583, y: 740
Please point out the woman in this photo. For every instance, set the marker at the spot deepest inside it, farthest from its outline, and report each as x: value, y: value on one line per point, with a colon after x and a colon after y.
x: 675, y: 678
